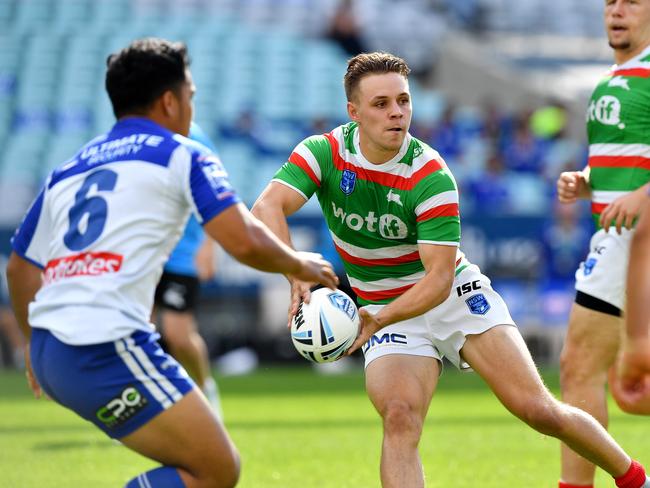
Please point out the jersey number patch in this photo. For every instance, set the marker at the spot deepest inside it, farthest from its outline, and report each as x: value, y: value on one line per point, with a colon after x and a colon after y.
x: 88, y: 214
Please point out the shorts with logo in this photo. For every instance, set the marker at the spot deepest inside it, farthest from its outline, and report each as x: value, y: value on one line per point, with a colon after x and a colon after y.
x: 177, y: 292
x: 604, y: 272
x: 473, y: 307
x: 118, y: 386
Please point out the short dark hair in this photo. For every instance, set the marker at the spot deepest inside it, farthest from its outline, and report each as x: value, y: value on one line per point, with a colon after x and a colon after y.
x: 141, y: 72
x: 371, y: 63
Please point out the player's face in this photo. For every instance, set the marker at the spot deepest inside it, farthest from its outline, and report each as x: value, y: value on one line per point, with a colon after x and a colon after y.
x: 381, y: 105
x: 628, y: 27
x: 185, y: 106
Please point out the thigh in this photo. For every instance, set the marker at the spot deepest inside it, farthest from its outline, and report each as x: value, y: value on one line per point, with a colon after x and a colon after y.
x: 177, y: 326
x: 404, y: 378
x: 592, y: 339
x: 500, y: 356
x: 187, y: 435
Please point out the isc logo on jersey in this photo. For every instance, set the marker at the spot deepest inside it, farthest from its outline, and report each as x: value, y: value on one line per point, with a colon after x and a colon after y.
x: 606, y: 110
x: 389, y: 226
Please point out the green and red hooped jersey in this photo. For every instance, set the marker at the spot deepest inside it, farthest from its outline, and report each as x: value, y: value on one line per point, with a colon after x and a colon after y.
x: 618, y: 128
x: 378, y: 214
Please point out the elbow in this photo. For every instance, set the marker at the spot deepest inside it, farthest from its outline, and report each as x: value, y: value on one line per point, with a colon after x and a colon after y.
x: 260, y: 207
x: 250, y: 247
x: 245, y: 251
x: 13, y: 268
x: 446, y: 278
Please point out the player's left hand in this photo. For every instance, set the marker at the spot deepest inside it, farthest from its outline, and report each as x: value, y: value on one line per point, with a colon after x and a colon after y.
x: 31, y: 378
x: 622, y: 211
x: 367, y: 327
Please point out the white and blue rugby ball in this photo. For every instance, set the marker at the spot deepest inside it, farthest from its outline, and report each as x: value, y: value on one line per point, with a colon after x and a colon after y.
x: 323, y: 329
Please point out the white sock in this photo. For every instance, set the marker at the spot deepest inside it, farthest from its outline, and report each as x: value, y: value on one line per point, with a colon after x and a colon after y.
x: 211, y: 391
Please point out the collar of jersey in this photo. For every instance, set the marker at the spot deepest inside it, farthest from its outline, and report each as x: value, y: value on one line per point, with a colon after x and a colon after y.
x: 384, y: 167
x: 143, y: 122
x: 635, y: 61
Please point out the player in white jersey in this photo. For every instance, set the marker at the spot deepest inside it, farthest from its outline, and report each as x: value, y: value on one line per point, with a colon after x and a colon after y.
x: 88, y: 255
x: 447, y: 308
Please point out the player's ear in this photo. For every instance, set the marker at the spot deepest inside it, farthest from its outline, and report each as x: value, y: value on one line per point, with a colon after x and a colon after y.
x: 169, y: 103
x: 353, y: 112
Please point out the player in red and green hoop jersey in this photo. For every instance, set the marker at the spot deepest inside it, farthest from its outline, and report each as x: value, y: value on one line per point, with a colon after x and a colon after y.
x: 616, y: 179
x: 391, y: 205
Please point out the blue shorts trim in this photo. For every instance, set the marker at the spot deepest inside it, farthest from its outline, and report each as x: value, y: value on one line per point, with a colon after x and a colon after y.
x: 119, y: 386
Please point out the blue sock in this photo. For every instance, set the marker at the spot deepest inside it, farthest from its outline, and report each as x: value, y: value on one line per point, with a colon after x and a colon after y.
x: 163, y: 477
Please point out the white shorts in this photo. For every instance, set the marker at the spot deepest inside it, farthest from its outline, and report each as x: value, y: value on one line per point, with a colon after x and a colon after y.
x: 472, y: 308
x: 603, y: 273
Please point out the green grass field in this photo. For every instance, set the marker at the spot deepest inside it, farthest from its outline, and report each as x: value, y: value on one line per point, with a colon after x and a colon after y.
x: 295, y: 428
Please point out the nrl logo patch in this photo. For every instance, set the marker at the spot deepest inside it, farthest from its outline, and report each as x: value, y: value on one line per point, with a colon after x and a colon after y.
x: 478, y: 304
x: 348, y: 180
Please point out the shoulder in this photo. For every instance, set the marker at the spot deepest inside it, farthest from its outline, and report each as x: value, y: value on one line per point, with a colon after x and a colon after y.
x: 193, y: 147
x: 428, y: 165
x: 319, y: 147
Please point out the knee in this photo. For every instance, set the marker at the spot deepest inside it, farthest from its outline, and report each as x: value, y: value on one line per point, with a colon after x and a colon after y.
x: 401, y: 419
x: 224, y: 472
x: 545, y: 415
x: 574, y: 367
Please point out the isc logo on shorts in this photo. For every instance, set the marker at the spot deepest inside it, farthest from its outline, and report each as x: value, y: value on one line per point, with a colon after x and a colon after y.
x: 385, y: 338
x: 123, y: 407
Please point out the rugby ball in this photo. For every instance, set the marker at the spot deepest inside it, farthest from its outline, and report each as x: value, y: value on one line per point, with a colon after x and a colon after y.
x: 323, y: 329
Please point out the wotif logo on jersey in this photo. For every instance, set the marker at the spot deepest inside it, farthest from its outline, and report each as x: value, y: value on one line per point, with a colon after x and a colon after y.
x: 84, y: 264
x: 389, y: 226
x: 606, y: 110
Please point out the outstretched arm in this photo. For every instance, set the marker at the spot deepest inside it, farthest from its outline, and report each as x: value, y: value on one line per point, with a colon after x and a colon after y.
x: 276, y: 202
x: 249, y: 241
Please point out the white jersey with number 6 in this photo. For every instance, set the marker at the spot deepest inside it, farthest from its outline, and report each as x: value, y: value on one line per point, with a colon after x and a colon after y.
x: 105, y: 222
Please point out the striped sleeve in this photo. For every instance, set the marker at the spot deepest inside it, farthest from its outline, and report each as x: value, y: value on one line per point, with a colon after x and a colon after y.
x: 304, y: 169
x: 32, y: 238
x: 436, y: 209
x: 210, y: 190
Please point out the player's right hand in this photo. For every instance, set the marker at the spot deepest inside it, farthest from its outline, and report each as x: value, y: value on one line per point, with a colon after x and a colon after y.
x: 572, y: 185
x: 314, y: 268
x: 300, y: 292
x: 629, y: 381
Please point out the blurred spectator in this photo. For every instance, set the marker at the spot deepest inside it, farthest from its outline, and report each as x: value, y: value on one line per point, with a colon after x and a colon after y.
x: 249, y: 129
x: 523, y: 153
x: 487, y: 192
x: 344, y: 29
x: 318, y: 125
x: 445, y: 137
x: 565, y: 239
